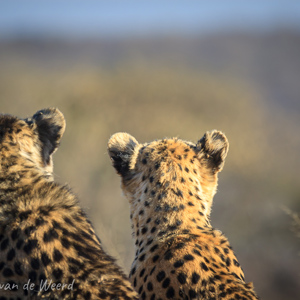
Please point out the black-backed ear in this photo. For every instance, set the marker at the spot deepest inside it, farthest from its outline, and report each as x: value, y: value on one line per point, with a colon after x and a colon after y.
x: 120, y: 149
x: 213, y: 147
x: 51, y: 126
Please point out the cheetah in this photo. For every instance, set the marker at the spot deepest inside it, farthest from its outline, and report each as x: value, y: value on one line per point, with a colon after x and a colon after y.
x: 170, y: 184
x: 48, y: 247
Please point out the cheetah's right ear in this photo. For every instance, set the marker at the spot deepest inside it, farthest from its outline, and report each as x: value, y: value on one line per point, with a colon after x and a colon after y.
x: 213, y: 148
x: 120, y: 149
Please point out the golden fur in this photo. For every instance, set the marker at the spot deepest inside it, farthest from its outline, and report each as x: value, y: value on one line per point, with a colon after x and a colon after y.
x: 48, y: 247
x: 170, y: 185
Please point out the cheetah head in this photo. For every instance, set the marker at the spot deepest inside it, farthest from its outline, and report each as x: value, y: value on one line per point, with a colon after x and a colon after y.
x: 28, y: 144
x: 167, y: 175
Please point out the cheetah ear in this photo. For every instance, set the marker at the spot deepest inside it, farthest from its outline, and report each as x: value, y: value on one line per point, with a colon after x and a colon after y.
x: 120, y: 149
x: 50, y: 126
x: 213, y: 148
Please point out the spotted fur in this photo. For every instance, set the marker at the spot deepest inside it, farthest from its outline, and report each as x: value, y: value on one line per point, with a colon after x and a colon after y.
x: 170, y: 185
x: 48, y: 248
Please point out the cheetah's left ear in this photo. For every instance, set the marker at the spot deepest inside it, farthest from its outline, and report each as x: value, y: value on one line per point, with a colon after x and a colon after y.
x: 120, y: 149
x: 213, y: 148
x: 51, y: 126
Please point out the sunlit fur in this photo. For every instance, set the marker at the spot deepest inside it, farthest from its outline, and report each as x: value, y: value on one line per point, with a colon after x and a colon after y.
x: 170, y: 185
x: 44, y: 234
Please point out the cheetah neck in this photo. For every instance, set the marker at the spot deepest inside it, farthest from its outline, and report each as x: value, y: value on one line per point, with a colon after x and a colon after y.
x: 171, y: 196
x: 21, y: 172
x: 170, y: 212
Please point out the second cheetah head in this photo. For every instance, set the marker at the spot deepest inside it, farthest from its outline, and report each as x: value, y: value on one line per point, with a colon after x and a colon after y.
x: 167, y: 175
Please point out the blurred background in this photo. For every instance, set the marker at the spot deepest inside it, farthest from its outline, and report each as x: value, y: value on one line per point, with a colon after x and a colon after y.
x: 163, y: 69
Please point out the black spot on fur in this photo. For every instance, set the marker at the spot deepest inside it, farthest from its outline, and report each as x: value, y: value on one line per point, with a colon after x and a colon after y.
x: 170, y: 293
x: 188, y: 257
x: 45, y: 259
x: 166, y: 283
x: 30, y: 245
x: 42, y: 277
x: 11, y: 254
x: 149, y: 242
x: 74, y: 269
x: 179, y: 263
x: 19, y: 243
x: 4, y: 244
x: 192, y: 293
x: 160, y: 276
x: 195, y: 278
x: 204, y: 266
x: 196, y: 252
x: 236, y: 263
x: 181, y: 277
x: 50, y: 235
x: 57, y: 256
x: 180, y: 245
x: 142, y: 257
x: 7, y: 272
x: 15, y: 234
x: 153, y: 229
x: 142, y: 272
x: 150, y: 286
x: 29, y: 230
x: 57, y: 273
x: 155, y: 258
x: 24, y: 215
x: 133, y: 271
x: 32, y: 275
x: 152, y: 270
x: 35, y: 263
x: 168, y: 255
x: 39, y: 221
x: 65, y: 243
x: 18, y: 268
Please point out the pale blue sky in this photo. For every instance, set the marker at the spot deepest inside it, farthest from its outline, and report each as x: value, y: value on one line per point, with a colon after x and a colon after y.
x: 111, y: 18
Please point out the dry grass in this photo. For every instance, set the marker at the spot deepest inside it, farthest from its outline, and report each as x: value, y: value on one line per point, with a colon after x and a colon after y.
x: 152, y: 101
